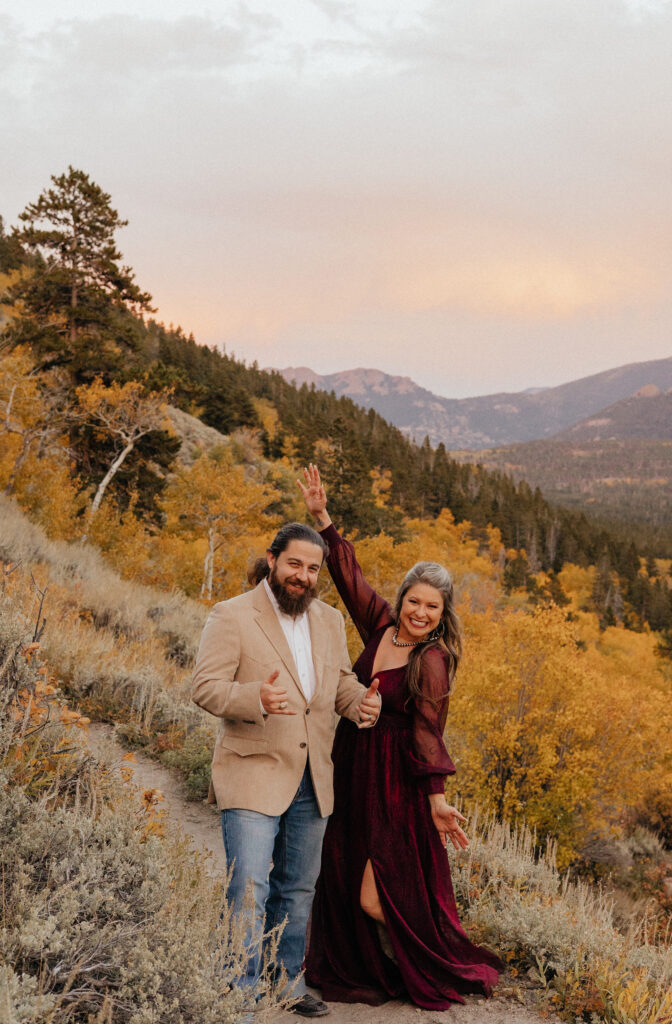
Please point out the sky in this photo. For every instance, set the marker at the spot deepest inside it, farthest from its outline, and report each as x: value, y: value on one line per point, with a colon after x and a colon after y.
x: 476, y: 194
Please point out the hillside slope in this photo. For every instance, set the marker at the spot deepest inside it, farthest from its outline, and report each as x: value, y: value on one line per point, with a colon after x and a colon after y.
x: 626, y: 484
x: 647, y: 414
x: 615, y: 464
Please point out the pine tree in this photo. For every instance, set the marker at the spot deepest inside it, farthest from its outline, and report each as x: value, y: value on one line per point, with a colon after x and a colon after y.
x: 79, y: 307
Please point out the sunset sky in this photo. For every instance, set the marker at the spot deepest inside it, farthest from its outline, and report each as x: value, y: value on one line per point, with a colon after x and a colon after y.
x: 473, y: 193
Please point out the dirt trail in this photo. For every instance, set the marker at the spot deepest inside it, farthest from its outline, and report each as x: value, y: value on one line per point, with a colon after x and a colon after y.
x: 201, y: 822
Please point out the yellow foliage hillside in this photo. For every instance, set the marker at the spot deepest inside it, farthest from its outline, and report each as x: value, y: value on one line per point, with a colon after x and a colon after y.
x: 554, y: 721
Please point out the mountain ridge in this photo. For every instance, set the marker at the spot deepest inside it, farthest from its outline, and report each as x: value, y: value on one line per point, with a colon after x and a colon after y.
x: 645, y: 415
x: 487, y: 420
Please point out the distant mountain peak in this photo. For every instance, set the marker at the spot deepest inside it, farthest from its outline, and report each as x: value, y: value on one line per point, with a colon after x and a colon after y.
x: 357, y: 381
x: 299, y: 374
x: 489, y: 420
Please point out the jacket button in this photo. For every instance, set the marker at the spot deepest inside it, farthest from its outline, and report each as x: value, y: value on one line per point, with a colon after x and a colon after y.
x: 307, y: 711
x: 302, y: 745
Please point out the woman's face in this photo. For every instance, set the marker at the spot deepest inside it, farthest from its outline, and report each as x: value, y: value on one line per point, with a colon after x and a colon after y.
x: 421, y: 611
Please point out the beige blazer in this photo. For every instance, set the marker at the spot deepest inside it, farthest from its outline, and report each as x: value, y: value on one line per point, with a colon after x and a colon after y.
x: 259, y: 759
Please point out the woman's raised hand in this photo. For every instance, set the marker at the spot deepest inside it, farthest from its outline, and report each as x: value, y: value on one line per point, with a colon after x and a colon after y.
x: 315, y: 496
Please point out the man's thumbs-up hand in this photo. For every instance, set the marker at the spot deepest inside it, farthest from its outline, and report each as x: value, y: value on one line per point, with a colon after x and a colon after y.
x: 369, y: 709
x: 274, y: 700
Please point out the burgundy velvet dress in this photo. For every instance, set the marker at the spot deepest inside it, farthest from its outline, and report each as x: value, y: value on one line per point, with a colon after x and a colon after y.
x: 381, y: 813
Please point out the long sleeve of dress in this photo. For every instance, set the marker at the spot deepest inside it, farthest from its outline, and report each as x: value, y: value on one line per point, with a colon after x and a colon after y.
x: 429, y: 759
x: 368, y: 610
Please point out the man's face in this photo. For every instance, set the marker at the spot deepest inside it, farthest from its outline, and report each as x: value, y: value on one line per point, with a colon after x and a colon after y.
x: 293, y: 575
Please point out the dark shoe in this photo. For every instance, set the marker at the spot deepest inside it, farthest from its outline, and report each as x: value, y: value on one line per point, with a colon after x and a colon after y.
x: 309, y: 1006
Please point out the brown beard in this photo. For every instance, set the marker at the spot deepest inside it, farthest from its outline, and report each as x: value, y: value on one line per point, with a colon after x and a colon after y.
x: 291, y: 604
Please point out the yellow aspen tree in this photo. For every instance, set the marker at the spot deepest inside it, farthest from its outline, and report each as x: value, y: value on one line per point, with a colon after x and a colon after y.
x: 47, y: 489
x: 215, y: 502
x: 381, y: 483
x: 122, y: 538
x: 268, y: 416
x: 122, y: 414
x: 33, y: 407
x: 19, y: 409
x: 562, y: 738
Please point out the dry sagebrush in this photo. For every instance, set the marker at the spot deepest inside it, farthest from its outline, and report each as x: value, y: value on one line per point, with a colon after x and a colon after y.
x: 95, y: 917
x: 126, y: 609
x: 102, y: 920
x: 122, y: 651
x: 563, y: 930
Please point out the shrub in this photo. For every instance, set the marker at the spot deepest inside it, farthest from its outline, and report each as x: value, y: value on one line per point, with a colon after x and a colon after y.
x: 92, y: 914
x: 193, y: 758
x: 123, y: 651
x: 102, y: 918
x: 564, y: 931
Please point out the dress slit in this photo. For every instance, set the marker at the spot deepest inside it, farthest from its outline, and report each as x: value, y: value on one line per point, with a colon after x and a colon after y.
x: 369, y: 863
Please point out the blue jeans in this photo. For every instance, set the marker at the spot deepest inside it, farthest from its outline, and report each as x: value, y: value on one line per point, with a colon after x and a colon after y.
x: 293, y: 842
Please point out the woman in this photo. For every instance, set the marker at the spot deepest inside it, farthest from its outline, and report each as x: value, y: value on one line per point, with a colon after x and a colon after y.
x: 384, y: 920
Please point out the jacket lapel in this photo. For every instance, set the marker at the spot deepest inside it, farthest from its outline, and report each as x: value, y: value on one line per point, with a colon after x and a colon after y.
x: 267, y: 621
x: 319, y: 640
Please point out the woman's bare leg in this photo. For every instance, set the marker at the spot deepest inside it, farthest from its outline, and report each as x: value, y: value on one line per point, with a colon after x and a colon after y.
x: 368, y: 895
x: 370, y: 904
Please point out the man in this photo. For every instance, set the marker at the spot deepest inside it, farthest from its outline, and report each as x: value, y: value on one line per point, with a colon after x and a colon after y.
x: 273, y: 666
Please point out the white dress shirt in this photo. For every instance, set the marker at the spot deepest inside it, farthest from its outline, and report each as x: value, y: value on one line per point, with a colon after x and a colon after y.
x: 297, y: 631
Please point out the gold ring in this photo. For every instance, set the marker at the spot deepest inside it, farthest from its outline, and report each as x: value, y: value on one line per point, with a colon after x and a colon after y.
x: 283, y: 704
